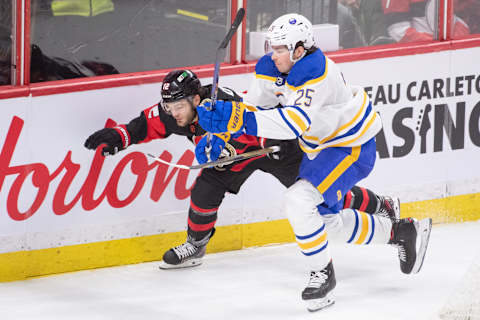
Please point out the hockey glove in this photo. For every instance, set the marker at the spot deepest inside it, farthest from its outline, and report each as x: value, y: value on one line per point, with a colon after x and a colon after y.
x: 227, y: 116
x: 116, y: 139
x: 217, y: 143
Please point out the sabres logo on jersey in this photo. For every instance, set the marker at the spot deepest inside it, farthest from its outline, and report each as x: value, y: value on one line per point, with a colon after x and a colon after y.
x: 280, y: 81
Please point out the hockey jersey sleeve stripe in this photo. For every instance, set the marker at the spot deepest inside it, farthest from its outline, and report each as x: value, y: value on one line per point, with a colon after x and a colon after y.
x: 303, y: 126
x: 304, y: 114
x: 288, y: 123
x: 340, y: 169
x: 122, y: 130
x: 295, y: 118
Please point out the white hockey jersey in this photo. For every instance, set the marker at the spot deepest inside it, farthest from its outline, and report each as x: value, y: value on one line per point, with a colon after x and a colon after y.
x: 317, y: 106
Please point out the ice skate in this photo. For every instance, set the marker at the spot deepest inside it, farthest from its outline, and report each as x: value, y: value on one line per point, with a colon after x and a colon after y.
x: 411, y: 237
x: 389, y: 208
x: 188, y: 254
x: 318, y: 293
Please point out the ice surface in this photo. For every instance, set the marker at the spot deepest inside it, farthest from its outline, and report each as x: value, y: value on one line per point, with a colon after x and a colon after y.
x: 260, y: 283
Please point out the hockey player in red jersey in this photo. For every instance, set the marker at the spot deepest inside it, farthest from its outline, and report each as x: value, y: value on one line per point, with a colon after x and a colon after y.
x: 176, y: 114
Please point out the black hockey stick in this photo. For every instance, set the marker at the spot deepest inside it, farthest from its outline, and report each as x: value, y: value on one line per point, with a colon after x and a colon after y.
x: 225, y: 160
x: 220, y: 54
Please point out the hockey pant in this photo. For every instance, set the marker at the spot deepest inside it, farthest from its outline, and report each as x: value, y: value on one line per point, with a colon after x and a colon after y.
x: 212, y: 184
x: 314, y: 204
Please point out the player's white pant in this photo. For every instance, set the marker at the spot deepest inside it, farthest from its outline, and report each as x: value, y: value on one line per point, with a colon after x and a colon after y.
x: 311, y: 228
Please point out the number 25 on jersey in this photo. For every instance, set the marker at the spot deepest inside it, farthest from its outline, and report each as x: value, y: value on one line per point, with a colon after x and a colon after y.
x: 304, y: 97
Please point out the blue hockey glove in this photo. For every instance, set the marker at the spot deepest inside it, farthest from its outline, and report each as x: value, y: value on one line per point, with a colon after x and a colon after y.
x: 202, y: 150
x: 227, y: 116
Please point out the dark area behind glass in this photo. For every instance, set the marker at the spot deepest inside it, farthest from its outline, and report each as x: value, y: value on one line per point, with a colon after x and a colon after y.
x: 5, y: 41
x: 467, y: 16
x: 76, y: 38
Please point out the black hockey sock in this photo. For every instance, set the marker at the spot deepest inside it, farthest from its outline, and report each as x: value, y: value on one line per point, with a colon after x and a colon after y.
x: 201, y: 222
x: 361, y: 199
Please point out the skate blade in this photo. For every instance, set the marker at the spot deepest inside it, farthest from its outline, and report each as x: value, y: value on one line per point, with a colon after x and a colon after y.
x: 424, y: 228
x: 319, y: 304
x: 187, y: 264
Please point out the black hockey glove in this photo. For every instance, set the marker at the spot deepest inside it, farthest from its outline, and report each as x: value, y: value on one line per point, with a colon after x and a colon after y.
x: 109, y: 136
x: 287, y: 147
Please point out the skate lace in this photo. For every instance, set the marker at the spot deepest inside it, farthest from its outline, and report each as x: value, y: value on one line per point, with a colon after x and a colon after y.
x: 402, y: 255
x: 185, y: 250
x: 317, y: 278
x: 387, y: 208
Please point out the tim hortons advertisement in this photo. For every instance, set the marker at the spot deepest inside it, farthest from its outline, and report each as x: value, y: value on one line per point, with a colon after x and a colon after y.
x: 54, y: 192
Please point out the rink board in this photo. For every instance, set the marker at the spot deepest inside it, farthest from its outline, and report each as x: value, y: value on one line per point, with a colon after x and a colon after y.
x: 28, y: 264
x: 63, y: 208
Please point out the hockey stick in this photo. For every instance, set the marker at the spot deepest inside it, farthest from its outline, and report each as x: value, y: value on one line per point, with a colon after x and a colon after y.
x: 238, y: 157
x: 219, y: 55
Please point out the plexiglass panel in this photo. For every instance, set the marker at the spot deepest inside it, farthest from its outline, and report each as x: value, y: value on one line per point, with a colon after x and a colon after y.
x: 79, y: 38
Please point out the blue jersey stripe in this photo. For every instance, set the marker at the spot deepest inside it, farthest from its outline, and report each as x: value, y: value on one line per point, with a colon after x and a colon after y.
x: 357, y: 126
x: 373, y: 229
x: 356, y: 227
x: 311, y: 235
x: 316, y: 251
x: 303, y: 113
x: 311, y: 145
x: 287, y: 122
x: 262, y: 108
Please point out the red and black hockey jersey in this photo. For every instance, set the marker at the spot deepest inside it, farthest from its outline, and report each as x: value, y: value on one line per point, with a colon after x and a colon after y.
x: 155, y: 123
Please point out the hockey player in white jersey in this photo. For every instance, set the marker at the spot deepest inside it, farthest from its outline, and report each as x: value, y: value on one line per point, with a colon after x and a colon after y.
x: 336, y: 126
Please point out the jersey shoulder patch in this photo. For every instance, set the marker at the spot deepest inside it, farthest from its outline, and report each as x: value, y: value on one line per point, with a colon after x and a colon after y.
x: 312, y: 68
x: 152, y: 112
